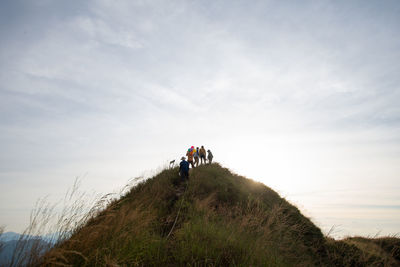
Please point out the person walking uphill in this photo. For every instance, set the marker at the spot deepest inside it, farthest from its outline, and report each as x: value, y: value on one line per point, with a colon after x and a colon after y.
x: 184, y: 169
x: 189, y: 154
x: 196, y: 156
x: 202, y: 155
x: 210, y: 156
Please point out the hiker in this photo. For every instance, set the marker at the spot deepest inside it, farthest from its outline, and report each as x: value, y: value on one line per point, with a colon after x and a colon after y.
x: 184, y: 169
x: 202, y: 155
x: 189, y: 154
x: 196, y: 156
x: 210, y: 156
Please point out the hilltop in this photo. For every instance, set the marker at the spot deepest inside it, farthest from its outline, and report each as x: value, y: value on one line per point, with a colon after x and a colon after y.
x: 216, y: 219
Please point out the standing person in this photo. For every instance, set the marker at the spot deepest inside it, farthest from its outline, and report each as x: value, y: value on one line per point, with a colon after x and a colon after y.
x: 210, y: 156
x: 189, y: 154
x: 184, y: 169
x: 202, y: 155
x: 196, y: 157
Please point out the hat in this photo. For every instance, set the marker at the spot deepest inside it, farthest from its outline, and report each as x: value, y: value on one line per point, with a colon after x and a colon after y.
x: 183, y: 158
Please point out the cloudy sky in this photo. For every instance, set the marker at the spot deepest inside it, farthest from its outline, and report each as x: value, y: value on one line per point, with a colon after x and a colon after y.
x: 301, y: 96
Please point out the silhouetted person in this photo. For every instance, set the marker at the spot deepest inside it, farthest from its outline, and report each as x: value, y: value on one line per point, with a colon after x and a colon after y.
x: 196, y: 156
x: 202, y: 155
x: 184, y: 169
x: 209, y: 156
x: 189, y: 154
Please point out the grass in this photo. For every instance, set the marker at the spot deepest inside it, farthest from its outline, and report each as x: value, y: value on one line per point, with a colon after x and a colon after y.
x: 216, y: 219
x: 56, y: 222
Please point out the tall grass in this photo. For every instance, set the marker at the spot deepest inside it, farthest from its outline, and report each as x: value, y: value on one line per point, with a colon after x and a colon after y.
x: 219, y: 219
x: 52, y: 223
x: 215, y: 219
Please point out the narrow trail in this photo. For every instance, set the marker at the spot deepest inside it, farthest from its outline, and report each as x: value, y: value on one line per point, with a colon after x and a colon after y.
x: 181, y: 191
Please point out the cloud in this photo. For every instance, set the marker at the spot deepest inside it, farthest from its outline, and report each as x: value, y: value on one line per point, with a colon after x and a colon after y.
x: 83, y: 84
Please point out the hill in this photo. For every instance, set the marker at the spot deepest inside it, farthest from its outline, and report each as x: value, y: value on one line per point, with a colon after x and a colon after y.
x: 217, y: 218
x: 16, y: 252
x: 8, y: 236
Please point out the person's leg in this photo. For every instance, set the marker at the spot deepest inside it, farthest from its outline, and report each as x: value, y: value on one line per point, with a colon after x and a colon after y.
x: 191, y: 163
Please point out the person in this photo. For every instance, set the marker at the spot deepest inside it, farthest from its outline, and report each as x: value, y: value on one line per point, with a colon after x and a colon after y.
x: 184, y: 169
x: 210, y: 156
x: 202, y: 155
x: 196, y: 157
x: 189, y: 154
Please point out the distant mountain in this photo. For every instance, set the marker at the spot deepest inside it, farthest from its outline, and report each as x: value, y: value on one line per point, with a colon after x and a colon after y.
x: 8, y: 236
x: 9, y: 241
x: 8, y: 249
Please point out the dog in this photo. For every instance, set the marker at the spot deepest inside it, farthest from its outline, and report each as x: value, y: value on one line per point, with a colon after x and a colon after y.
x: 171, y: 164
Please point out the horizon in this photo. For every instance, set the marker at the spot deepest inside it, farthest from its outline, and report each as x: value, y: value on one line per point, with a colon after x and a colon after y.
x: 301, y: 97
x: 330, y: 221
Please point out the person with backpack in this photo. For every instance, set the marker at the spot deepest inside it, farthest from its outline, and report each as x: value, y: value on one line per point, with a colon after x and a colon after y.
x: 210, y: 156
x: 202, y: 155
x: 196, y: 156
x: 189, y: 154
x: 184, y: 169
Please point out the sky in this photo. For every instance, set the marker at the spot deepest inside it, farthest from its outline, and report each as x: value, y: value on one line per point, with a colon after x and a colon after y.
x: 300, y: 96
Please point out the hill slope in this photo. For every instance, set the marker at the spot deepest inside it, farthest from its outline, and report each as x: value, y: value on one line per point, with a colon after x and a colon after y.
x: 217, y: 218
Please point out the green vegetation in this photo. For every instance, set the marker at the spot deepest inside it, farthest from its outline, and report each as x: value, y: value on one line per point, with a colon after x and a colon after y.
x: 216, y: 219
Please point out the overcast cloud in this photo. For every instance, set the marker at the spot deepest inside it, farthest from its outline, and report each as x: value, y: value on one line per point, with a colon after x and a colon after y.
x: 300, y: 95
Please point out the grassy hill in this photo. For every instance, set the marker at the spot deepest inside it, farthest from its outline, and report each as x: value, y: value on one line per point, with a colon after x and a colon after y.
x: 216, y: 219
